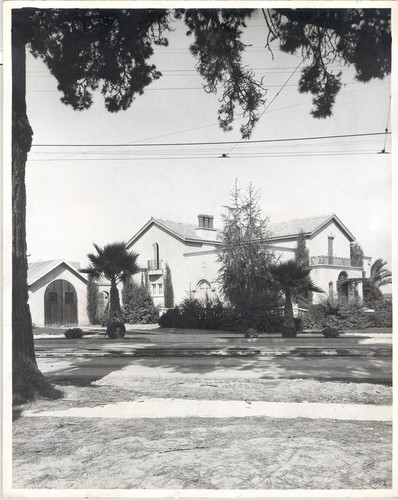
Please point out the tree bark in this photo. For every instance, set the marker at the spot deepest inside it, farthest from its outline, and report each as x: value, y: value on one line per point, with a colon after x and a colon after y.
x: 288, y: 312
x: 27, y: 380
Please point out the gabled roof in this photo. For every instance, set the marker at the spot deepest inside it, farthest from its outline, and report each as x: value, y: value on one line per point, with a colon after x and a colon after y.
x: 309, y: 225
x: 37, y: 270
x: 279, y: 230
x: 181, y: 230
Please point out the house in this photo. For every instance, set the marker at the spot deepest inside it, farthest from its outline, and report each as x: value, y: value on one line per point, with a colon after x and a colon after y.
x: 57, y: 294
x: 190, y: 251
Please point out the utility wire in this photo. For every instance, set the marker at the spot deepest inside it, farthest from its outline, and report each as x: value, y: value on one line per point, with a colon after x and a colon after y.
x: 269, y: 104
x: 257, y: 141
x: 386, y: 130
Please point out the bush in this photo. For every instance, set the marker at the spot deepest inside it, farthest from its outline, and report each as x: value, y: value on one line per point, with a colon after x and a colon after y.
x: 382, y: 317
x: 337, y: 314
x: 288, y: 331
x: 251, y: 333
x: 139, y: 307
x: 170, y: 319
x: 116, y: 331
x: 330, y: 332
x: 74, y: 333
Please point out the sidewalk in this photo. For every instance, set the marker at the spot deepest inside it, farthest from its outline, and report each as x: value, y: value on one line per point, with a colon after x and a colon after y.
x: 185, y: 408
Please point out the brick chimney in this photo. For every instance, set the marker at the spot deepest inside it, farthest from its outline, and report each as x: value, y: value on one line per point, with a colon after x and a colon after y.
x: 205, y: 227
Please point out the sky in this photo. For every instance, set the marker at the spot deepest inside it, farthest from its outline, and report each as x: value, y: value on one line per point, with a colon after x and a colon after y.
x: 95, y: 193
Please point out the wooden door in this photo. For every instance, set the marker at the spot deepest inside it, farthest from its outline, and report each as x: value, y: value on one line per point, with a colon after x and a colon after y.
x: 60, y: 304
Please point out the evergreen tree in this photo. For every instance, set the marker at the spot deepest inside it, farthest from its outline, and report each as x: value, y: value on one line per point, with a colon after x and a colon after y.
x: 139, y: 307
x: 302, y: 252
x: 356, y: 254
x: 245, y: 255
x: 92, y: 301
x: 303, y: 297
x: 168, y: 289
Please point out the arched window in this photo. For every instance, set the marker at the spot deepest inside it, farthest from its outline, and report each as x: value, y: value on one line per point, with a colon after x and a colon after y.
x: 203, y: 289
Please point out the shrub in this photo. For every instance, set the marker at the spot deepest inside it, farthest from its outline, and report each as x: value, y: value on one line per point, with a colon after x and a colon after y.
x: 382, y: 316
x: 288, y: 331
x: 170, y: 319
x: 342, y: 315
x: 74, y: 333
x: 139, y: 307
x: 331, y: 332
x: 251, y: 333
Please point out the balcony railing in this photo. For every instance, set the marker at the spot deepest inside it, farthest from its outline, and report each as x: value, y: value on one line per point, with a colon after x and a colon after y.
x: 326, y: 260
x: 155, y: 265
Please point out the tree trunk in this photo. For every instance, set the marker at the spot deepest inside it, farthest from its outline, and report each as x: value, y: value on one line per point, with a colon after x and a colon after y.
x: 114, y: 301
x: 290, y: 328
x: 27, y: 380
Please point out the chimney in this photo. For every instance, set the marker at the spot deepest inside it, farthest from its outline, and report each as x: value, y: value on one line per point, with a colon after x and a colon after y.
x: 205, y: 229
x: 205, y: 221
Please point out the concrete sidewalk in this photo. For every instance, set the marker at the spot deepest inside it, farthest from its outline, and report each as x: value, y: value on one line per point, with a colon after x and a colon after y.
x: 185, y: 408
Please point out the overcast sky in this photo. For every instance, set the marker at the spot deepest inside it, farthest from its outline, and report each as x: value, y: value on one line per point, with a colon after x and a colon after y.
x: 80, y: 195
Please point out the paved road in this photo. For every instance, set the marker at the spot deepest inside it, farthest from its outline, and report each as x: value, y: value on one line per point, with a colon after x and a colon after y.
x: 119, y: 370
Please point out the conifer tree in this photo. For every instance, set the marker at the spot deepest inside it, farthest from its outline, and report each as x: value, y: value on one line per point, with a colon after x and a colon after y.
x: 245, y: 254
x: 92, y: 300
x: 168, y: 289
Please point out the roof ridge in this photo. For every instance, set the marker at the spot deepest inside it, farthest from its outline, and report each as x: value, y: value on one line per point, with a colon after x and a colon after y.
x: 305, y: 218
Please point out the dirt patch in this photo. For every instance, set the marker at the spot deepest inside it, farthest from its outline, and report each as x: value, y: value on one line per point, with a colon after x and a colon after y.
x: 251, y: 453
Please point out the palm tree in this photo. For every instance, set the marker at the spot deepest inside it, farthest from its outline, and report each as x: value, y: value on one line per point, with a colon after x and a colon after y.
x: 116, y: 264
x: 379, y: 276
x: 293, y: 279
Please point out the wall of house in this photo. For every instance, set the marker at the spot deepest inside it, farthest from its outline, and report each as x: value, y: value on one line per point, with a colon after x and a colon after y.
x: 38, y: 289
x: 184, y: 272
x: 323, y: 275
x: 318, y: 244
x: 202, y: 266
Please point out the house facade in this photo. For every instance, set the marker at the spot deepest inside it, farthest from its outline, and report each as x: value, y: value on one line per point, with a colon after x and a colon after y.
x: 190, y: 252
x: 57, y: 294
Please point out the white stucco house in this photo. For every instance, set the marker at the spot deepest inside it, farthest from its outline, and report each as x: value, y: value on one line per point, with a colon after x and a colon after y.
x: 57, y: 294
x: 190, y: 250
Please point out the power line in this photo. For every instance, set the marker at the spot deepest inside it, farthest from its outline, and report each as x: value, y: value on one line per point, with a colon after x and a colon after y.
x: 292, y: 155
x: 258, y: 141
x: 269, y: 104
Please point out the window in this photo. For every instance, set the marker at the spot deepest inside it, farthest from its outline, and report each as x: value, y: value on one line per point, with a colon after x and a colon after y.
x: 160, y: 288
x: 153, y: 289
x: 68, y: 298
x: 52, y: 298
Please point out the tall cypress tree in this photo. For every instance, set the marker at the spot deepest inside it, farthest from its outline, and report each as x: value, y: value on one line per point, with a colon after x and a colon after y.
x: 92, y: 300
x: 168, y: 289
x: 303, y: 297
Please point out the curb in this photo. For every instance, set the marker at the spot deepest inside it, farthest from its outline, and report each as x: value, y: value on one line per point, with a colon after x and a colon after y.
x: 232, y: 352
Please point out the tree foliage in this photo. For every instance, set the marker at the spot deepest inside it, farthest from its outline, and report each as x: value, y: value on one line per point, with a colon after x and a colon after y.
x: 326, y: 37
x: 92, y: 301
x: 379, y: 277
x: 245, y: 254
x: 293, y: 278
x: 168, y: 288
x: 356, y: 254
x: 302, y: 258
x: 116, y: 264
x: 139, y: 307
